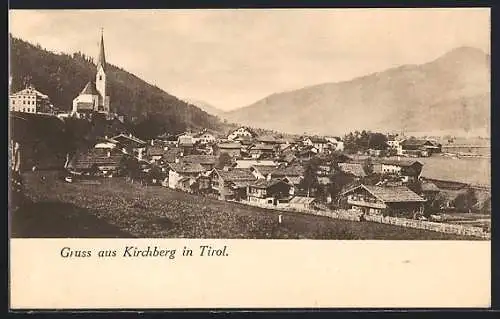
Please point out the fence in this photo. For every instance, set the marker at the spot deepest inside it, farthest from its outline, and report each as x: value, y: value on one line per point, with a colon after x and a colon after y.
x: 403, y: 222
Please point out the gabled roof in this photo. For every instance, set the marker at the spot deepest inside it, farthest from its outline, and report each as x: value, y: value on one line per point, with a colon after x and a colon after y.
x: 318, y: 139
x: 229, y: 145
x: 355, y: 169
x: 170, y: 155
x: 262, y: 183
x: 262, y: 147
x: 293, y: 170
x: 270, y: 139
x: 200, y: 159
x: 429, y: 187
x: 155, y: 151
x: 124, y: 138
x: 302, y: 200
x: 264, y: 169
x: 398, y: 194
x: 400, y: 162
x: 187, y: 168
x: 235, y: 174
x: 89, y: 89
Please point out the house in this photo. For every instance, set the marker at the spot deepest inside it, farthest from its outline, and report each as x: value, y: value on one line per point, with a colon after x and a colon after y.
x: 270, y: 140
x: 241, y: 131
x: 173, y: 155
x: 306, y: 154
x: 204, y: 137
x: 300, y: 202
x: 336, y: 143
x: 206, y: 161
x: 355, y: 169
x: 268, y: 192
x: 233, y: 149
x: 408, y: 169
x: 130, y: 144
x: 376, y: 200
x: 319, y: 143
x: 185, y: 140
x: 293, y: 174
x: 287, y: 157
x: 429, y: 190
x: 420, y: 147
x: 30, y: 100
x: 154, y: 153
x: 95, y: 162
x: 178, y: 171
x: 261, y: 151
x: 231, y: 183
x: 394, y: 142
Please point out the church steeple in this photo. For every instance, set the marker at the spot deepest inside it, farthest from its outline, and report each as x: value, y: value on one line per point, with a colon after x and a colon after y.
x: 102, y: 57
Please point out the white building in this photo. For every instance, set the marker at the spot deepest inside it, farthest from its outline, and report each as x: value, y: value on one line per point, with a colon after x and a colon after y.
x: 242, y: 131
x: 30, y: 100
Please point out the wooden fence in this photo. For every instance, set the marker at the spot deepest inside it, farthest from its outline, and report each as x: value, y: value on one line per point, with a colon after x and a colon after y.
x: 403, y: 222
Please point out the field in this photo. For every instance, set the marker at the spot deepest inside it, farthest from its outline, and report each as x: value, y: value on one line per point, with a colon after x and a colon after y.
x: 115, y: 208
x: 466, y: 170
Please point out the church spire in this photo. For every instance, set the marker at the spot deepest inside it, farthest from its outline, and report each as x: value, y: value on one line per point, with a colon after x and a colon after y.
x: 102, y: 58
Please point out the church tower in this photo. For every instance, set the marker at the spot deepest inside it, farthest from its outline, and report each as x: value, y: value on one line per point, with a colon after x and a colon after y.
x: 100, y: 79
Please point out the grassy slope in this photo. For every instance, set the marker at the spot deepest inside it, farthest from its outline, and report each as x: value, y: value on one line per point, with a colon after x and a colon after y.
x: 116, y: 208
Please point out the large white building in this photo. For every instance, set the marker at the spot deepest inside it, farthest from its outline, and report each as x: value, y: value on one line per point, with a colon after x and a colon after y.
x: 94, y: 96
x: 30, y: 100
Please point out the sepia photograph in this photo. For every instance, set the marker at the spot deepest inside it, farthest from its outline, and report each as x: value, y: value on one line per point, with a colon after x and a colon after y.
x: 315, y: 124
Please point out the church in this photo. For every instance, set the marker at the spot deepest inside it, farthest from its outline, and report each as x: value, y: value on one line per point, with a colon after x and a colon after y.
x: 94, y: 96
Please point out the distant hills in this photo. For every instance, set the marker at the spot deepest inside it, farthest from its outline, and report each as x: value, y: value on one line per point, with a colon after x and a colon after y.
x: 450, y: 94
x: 210, y: 109
x: 63, y: 76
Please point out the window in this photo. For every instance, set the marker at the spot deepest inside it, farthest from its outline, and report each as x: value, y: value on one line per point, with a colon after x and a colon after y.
x: 13, y: 101
x: 24, y: 102
x: 100, y: 77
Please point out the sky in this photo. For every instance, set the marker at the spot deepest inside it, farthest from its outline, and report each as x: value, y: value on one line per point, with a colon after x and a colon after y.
x: 234, y: 57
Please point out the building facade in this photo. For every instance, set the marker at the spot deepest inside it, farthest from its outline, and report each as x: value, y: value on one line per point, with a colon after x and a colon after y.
x: 30, y: 100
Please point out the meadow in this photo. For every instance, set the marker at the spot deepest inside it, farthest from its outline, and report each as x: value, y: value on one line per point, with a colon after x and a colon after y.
x: 116, y: 208
x: 466, y: 170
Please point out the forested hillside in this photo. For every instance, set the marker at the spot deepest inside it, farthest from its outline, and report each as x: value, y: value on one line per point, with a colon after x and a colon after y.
x: 63, y: 76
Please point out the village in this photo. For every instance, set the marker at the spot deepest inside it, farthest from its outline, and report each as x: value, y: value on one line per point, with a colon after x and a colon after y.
x: 361, y: 176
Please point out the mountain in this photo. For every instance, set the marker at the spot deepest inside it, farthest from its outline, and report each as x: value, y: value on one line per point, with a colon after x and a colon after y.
x: 451, y: 93
x: 202, y: 105
x: 63, y: 76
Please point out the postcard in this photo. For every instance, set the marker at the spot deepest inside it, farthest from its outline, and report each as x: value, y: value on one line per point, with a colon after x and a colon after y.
x: 249, y: 158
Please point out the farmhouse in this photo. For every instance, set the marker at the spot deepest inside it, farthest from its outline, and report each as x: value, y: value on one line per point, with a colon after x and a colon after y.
x: 130, y: 144
x: 242, y: 131
x: 154, y: 153
x: 261, y: 151
x: 178, y: 171
x: 408, y: 169
x: 319, y: 143
x: 300, y: 202
x: 96, y: 162
x: 376, y: 200
x: 204, y: 137
x: 262, y: 171
x: 420, y: 147
x: 206, y: 161
x: 268, y: 192
x: 231, y: 183
x: 355, y: 169
x: 232, y: 149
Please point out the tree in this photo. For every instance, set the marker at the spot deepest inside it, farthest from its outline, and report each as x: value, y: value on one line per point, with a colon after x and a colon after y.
x: 223, y: 160
x: 465, y: 201
x: 377, y: 141
x: 339, y: 180
x: 310, y: 180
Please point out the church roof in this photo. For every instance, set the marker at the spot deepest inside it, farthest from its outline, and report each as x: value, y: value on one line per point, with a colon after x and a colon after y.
x: 102, y: 57
x: 89, y: 89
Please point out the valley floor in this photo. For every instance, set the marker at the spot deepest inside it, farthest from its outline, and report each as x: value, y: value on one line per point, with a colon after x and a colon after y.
x: 116, y: 208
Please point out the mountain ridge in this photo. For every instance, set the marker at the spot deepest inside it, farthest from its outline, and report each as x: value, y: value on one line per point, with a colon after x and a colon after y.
x: 462, y: 74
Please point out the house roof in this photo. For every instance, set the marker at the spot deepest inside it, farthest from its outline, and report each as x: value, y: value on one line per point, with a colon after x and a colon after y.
x: 262, y: 183
x: 397, y: 194
x: 121, y: 138
x: 187, y: 168
x: 229, y: 145
x: 264, y: 169
x: 355, y: 169
x: 89, y: 89
x: 399, y: 162
x: 294, y: 180
x: 200, y: 159
x: 247, y: 163
x: 302, y: 200
x: 318, y: 139
x: 270, y: 139
x: 429, y: 187
x: 262, y: 147
x: 294, y: 170
x: 171, y: 154
x: 236, y: 174
x: 155, y: 151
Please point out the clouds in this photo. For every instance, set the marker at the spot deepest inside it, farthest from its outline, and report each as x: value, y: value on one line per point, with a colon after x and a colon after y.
x: 231, y: 58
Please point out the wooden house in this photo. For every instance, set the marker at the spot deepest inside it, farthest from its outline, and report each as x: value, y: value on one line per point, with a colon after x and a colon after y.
x: 268, y: 192
x: 230, y: 183
x: 376, y: 200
